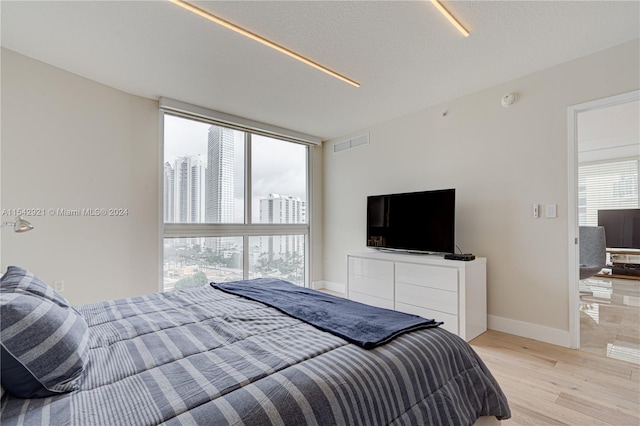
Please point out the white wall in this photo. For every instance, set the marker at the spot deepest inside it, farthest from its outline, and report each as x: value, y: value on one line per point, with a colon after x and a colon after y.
x: 71, y: 143
x: 87, y: 145
x: 501, y: 161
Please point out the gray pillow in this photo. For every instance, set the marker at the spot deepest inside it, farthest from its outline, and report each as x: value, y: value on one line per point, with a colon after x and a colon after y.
x: 19, y: 280
x: 44, y: 341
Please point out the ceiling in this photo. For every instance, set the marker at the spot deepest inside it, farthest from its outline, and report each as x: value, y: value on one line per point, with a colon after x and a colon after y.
x: 404, y: 53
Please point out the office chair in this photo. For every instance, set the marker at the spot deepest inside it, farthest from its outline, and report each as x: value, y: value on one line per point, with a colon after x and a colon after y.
x: 593, y: 250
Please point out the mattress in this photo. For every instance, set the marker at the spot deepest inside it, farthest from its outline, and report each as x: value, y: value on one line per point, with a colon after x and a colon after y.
x: 206, y: 357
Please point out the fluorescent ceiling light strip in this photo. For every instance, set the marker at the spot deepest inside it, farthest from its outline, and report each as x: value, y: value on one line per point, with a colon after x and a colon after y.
x: 262, y: 40
x: 450, y: 17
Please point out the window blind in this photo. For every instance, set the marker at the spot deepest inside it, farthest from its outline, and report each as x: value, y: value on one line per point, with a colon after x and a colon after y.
x: 606, y: 185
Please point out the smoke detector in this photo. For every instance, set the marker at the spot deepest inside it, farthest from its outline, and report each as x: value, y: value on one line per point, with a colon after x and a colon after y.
x: 508, y: 100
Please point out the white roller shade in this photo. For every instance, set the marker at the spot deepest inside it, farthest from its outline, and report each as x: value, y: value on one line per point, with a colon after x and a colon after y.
x: 606, y: 185
x: 233, y: 121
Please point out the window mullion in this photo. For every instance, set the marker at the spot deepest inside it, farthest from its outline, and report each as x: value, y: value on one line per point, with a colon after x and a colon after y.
x: 247, y: 204
x: 178, y: 230
x: 247, y: 179
x: 245, y: 257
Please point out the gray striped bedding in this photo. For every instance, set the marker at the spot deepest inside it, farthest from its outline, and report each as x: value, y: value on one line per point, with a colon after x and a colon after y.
x: 204, y: 357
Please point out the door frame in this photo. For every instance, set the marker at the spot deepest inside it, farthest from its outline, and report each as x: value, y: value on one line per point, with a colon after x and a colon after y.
x: 572, y: 212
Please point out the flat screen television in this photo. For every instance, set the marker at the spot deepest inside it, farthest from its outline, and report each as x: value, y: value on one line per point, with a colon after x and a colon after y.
x: 415, y: 221
x: 621, y: 227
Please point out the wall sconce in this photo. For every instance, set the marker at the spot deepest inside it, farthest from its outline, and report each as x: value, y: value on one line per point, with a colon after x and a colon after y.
x: 20, y: 225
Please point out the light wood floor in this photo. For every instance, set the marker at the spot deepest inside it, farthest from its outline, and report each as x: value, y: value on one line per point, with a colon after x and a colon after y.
x: 551, y: 385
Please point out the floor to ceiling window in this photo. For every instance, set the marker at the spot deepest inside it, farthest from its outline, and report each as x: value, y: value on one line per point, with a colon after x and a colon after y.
x: 235, y: 203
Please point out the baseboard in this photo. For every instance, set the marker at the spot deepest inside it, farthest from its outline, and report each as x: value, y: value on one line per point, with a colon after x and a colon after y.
x: 505, y: 325
x: 328, y: 285
x: 530, y: 331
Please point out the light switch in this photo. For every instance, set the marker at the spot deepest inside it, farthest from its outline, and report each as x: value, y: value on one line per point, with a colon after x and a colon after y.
x: 550, y: 211
x: 535, y: 210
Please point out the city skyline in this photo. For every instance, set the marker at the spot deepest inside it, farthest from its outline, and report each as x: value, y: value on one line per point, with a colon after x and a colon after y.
x: 200, y: 188
x: 185, y: 193
x: 207, y: 186
x: 276, y: 164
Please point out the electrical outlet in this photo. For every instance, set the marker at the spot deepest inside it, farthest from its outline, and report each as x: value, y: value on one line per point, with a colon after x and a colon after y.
x: 58, y: 286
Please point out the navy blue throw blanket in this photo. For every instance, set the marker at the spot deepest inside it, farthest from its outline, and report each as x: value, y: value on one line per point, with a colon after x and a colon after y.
x: 363, y: 325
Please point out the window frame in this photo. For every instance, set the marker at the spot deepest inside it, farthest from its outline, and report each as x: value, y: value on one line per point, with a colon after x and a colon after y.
x: 247, y: 228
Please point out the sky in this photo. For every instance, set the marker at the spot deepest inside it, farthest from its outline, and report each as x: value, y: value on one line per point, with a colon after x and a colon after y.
x: 278, y: 166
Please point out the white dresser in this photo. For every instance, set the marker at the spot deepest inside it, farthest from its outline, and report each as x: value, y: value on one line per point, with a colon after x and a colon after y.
x: 447, y: 290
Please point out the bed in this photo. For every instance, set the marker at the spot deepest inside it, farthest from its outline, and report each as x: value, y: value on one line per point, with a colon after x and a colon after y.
x: 207, y: 357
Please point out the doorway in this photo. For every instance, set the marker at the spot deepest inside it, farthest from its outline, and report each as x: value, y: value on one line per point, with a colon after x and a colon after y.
x: 603, y: 137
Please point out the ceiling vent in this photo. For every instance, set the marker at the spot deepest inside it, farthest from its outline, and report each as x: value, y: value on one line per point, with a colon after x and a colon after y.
x: 351, y: 143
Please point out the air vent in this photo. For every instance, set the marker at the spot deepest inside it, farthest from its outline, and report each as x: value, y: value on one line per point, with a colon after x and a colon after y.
x: 351, y: 143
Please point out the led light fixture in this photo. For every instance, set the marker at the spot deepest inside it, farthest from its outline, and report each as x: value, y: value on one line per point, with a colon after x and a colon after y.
x: 450, y: 18
x: 255, y: 37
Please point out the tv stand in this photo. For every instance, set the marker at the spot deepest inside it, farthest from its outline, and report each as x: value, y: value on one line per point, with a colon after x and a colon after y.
x: 623, y: 264
x: 452, y: 291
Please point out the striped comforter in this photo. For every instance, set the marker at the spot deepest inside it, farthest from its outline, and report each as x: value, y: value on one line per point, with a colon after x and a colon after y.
x: 210, y: 358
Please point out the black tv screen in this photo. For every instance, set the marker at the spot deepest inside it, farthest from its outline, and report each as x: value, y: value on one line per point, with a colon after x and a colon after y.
x: 621, y: 227
x: 415, y: 221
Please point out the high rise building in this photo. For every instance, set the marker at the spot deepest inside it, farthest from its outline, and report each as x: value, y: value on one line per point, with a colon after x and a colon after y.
x: 185, y: 189
x: 169, y: 193
x: 220, y: 202
x: 199, y: 189
x: 278, y: 208
x: 197, y: 185
x: 220, y: 177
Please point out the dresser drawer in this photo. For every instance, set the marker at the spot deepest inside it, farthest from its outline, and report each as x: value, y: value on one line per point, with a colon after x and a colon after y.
x: 372, y: 286
x: 371, y: 300
x: 450, y: 291
x: 379, y: 269
x: 450, y: 321
x: 427, y: 276
x: 425, y: 297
